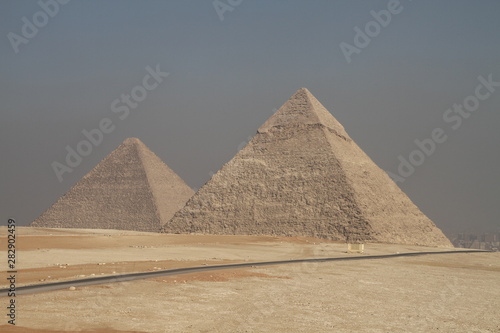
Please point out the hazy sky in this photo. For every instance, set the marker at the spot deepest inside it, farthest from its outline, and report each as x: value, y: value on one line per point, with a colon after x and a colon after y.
x: 63, y: 73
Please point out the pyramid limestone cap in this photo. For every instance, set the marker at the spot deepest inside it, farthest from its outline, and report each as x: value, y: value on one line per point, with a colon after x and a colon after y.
x: 134, y: 142
x: 131, y: 141
x: 303, y: 108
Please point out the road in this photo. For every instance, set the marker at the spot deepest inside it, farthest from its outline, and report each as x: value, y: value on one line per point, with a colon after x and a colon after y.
x: 31, y: 289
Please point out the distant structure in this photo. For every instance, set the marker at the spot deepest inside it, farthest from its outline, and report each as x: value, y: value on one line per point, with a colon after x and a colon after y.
x: 485, y: 241
x: 130, y: 189
x: 302, y: 175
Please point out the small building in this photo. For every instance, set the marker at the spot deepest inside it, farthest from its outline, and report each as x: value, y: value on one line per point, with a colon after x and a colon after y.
x: 355, y: 247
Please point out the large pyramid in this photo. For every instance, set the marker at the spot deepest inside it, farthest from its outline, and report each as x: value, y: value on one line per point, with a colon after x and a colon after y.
x: 302, y: 175
x: 130, y: 189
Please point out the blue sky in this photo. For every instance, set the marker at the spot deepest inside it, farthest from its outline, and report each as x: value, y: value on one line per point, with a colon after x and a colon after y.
x: 226, y: 77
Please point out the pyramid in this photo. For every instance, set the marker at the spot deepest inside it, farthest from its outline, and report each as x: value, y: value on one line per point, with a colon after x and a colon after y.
x: 302, y: 175
x: 130, y: 189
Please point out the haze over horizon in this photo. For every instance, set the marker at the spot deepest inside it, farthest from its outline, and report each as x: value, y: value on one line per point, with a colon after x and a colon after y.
x: 226, y: 77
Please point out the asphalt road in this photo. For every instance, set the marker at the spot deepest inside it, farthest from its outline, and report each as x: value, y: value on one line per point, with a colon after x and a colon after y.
x: 37, y: 288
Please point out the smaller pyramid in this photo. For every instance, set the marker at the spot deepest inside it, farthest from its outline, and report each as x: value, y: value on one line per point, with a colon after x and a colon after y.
x: 130, y: 189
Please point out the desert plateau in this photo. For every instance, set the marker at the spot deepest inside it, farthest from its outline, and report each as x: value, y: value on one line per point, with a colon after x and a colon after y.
x: 432, y: 293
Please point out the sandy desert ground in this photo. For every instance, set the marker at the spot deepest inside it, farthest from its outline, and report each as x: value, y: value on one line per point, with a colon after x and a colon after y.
x: 436, y: 293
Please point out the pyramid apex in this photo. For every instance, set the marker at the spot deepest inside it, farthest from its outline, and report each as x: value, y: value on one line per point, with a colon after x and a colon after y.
x: 131, y: 141
x: 303, y: 89
x: 303, y: 108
